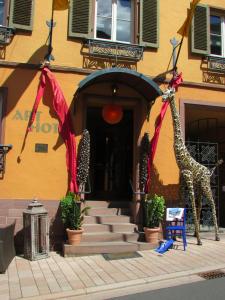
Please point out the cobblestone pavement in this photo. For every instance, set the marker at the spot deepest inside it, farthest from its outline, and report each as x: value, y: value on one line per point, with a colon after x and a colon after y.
x: 93, y: 277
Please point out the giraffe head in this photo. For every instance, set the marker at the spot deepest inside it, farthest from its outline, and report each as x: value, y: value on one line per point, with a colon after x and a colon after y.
x: 168, y: 94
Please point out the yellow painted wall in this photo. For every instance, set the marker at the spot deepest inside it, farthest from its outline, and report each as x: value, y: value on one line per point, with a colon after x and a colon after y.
x: 30, y: 174
x: 44, y: 175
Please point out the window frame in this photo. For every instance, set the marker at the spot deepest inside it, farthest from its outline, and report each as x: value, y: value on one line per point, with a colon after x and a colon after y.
x: 220, y: 14
x: 114, y: 23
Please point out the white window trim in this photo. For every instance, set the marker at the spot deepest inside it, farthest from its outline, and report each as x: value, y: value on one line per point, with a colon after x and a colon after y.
x: 222, y: 16
x: 114, y: 17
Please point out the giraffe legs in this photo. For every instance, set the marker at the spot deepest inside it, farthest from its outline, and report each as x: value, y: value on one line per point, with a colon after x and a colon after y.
x: 198, y: 198
x: 189, y: 181
x: 206, y: 189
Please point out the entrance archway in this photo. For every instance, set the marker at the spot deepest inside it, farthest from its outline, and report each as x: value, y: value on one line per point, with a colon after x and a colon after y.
x: 114, y: 148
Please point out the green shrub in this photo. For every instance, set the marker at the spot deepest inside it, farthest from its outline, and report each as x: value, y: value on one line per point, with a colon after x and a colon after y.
x: 154, y: 210
x: 71, y: 213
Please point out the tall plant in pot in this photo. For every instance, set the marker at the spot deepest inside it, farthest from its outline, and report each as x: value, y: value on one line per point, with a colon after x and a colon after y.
x: 72, y: 217
x: 154, y: 212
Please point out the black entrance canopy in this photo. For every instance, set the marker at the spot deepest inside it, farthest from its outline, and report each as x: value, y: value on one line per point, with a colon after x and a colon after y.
x: 142, y: 84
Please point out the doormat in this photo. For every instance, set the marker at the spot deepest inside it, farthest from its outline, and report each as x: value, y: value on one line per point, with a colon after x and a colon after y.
x: 124, y: 255
x: 212, y: 274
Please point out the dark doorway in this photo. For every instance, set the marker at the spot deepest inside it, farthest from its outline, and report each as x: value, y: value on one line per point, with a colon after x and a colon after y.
x: 111, y: 156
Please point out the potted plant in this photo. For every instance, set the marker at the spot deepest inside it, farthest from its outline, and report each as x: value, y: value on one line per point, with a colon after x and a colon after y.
x: 72, y: 217
x: 154, y: 212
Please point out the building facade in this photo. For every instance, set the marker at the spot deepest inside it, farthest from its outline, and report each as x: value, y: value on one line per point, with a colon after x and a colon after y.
x: 103, y: 52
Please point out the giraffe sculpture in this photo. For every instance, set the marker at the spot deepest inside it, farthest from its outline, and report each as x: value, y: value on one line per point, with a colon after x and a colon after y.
x: 196, y: 176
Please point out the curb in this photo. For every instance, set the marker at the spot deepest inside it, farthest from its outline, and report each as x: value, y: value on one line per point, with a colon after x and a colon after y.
x: 133, y: 286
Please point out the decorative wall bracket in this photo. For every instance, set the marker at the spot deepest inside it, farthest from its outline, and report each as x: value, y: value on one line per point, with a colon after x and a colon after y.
x: 6, y: 34
x: 4, y: 149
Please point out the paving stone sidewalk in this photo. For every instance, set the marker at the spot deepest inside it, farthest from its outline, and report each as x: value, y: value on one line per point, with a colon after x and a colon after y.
x: 93, y: 277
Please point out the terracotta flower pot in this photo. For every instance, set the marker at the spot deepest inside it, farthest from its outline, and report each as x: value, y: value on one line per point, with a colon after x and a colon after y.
x: 74, y: 236
x: 152, y: 235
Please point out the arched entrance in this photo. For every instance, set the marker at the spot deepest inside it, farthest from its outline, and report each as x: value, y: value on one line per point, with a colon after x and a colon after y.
x: 114, y: 147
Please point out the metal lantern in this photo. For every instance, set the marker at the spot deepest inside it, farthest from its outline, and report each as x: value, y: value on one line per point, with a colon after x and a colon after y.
x: 36, y: 231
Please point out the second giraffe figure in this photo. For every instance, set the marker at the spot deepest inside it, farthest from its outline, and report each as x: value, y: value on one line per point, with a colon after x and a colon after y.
x: 196, y: 176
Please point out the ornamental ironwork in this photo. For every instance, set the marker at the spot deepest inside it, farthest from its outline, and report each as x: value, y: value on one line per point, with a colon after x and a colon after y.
x: 118, y: 51
x: 4, y: 149
x: 216, y: 64
x: 206, y: 154
x: 6, y: 34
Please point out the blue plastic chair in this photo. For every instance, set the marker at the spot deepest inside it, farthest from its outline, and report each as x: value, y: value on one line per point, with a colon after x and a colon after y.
x: 176, y: 226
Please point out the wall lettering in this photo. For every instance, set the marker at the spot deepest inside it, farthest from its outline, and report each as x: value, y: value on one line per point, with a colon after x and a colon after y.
x: 38, y: 126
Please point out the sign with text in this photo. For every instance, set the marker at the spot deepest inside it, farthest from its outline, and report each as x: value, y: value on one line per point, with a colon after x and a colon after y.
x: 39, y: 126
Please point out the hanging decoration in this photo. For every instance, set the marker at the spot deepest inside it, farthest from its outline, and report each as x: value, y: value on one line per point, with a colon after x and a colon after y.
x: 65, y: 123
x: 60, y: 4
x: 112, y: 113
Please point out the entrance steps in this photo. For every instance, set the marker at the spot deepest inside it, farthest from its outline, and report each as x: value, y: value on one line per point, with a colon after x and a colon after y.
x: 108, y: 229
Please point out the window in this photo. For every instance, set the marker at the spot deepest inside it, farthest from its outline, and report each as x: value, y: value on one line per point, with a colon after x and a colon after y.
x: 3, y: 12
x: 208, y: 31
x: 217, y: 35
x: 114, y: 20
x: 21, y: 14
x: 126, y: 21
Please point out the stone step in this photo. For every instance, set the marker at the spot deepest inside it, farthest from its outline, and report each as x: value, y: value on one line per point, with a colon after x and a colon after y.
x: 96, y: 211
x: 106, y: 203
x: 88, y: 248
x: 102, y: 219
x: 112, y: 227
x: 110, y: 237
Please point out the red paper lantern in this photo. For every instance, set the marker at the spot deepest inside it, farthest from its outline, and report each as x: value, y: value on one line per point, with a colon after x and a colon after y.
x: 112, y: 113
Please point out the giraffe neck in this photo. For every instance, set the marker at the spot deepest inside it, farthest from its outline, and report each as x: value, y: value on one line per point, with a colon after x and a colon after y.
x: 179, y: 145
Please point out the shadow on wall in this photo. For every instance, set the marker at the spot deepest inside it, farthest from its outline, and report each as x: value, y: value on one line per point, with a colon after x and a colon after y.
x: 18, y: 81
x: 170, y: 192
x: 57, y: 232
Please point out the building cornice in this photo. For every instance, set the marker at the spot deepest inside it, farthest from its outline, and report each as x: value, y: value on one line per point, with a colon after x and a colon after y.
x: 65, y: 69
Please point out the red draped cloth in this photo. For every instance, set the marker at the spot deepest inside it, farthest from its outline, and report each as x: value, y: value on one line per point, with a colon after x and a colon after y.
x: 174, y: 83
x: 65, y: 124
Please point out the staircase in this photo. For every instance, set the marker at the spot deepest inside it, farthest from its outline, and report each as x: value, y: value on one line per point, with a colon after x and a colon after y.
x: 108, y: 229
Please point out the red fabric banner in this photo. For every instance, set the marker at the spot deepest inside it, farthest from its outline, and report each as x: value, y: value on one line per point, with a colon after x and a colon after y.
x: 65, y: 124
x: 154, y: 142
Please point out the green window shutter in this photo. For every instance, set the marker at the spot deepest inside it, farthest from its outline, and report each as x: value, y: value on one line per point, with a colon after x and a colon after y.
x: 149, y: 23
x: 80, y: 18
x: 21, y: 14
x: 200, y: 30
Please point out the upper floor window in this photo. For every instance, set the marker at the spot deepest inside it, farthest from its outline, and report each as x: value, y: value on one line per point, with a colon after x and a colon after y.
x: 126, y: 21
x: 208, y: 31
x: 114, y: 20
x: 217, y: 35
x: 3, y: 12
